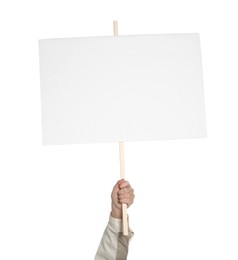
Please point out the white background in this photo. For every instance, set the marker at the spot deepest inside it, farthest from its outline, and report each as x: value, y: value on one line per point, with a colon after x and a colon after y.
x: 55, y: 200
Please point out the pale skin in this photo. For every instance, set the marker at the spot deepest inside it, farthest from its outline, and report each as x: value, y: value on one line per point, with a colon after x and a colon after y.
x: 122, y: 193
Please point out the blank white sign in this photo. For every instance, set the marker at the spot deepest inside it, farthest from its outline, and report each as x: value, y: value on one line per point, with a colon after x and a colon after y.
x: 126, y: 88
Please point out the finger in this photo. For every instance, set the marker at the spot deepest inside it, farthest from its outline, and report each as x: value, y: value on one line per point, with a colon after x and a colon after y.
x: 125, y: 196
x: 125, y: 184
x: 125, y: 190
x: 126, y: 201
x: 130, y: 196
x: 119, y: 182
x: 117, y: 185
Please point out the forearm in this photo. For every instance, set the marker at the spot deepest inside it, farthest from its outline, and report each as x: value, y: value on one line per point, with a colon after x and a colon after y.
x: 113, y: 245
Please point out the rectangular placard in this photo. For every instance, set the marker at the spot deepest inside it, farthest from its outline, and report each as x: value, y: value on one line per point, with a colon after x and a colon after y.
x: 126, y: 88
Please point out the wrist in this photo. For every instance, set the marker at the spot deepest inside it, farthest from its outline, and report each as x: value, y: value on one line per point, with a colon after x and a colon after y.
x: 116, y: 212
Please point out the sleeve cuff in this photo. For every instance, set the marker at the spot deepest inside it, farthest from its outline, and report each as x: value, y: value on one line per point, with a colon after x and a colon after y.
x: 116, y: 224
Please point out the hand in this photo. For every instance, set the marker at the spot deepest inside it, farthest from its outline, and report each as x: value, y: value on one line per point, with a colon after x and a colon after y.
x: 121, y: 193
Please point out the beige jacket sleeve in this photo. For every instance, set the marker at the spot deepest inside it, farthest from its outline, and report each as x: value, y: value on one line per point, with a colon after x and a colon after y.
x: 114, y: 245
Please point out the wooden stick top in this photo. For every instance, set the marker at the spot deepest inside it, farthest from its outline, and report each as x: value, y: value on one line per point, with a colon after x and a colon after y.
x: 115, y: 28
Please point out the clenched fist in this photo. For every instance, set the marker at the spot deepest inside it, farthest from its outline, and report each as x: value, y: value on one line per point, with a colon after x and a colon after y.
x: 121, y: 193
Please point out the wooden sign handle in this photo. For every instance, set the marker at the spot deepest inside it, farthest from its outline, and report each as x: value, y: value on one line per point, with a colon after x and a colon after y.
x: 122, y: 161
x: 122, y: 175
